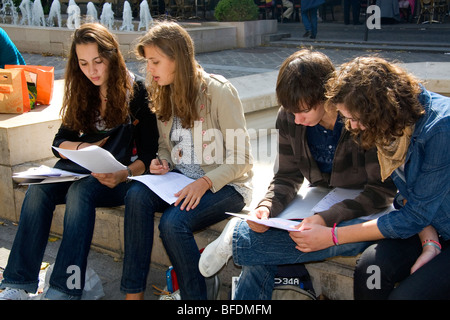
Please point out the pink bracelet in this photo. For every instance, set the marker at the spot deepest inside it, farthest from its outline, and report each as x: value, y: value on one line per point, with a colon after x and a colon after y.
x: 334, y: 235
x: 431, y: 243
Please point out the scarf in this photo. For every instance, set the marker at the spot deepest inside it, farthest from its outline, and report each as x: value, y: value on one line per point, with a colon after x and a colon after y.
x: 393, y: 156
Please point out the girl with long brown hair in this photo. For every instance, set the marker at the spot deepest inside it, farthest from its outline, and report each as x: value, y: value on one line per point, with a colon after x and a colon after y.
x: 104, y: 105
x: 199, y: 117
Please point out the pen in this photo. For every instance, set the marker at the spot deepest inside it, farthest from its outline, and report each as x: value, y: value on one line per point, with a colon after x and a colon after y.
x: 159, y: 159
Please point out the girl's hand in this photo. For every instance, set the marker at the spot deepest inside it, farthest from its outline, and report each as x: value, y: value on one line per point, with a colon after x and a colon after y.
x: 157, y: 168
x: 428, y: 253
x: 192, y: 194
x: 314, y: 219
x: 312, y: 237
x: 111, y: 180
x: 260, y: 213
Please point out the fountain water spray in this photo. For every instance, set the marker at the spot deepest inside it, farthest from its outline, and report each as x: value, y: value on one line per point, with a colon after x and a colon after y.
x: 8, y: 8
x: 145, y: 17
x: 37, y: 18
x: 127, y: 18
x: 55, y: 13
x: 91, y: 14
x: 73, y: 15
x: 107, y: 16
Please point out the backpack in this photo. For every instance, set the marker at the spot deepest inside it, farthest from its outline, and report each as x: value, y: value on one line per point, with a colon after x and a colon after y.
x: 293, y: 282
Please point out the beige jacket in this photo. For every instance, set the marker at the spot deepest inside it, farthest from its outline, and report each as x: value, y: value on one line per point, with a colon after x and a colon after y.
x: 220, y: 137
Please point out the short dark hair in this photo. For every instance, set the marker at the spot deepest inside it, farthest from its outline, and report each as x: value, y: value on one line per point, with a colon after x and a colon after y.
x: 301, y: 80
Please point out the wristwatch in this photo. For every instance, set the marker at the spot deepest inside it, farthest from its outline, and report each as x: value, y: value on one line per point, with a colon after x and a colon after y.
x: 130, y: 174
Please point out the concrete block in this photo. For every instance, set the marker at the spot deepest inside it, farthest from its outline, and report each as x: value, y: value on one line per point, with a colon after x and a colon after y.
x: 257, y: 91
x: 250, y: 33
x: 433, y: 74
x: 7, y: 209
x: 332, y: 279
x: 27, y: 137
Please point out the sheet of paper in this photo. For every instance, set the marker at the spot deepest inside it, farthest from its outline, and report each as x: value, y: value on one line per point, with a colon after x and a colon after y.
x: 44, y: 174
x: 302, y: 205
x: 334, y: 196
x: 166, y: 185
x: 310, y: 200
x: 278, y: 223
x: 93, y: 158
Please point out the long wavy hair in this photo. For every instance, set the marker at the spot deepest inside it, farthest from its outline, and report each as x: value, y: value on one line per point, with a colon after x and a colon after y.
x: 301, y: 80
x: 382, y: 96
x: 178, y: 98
x: 81, y: 102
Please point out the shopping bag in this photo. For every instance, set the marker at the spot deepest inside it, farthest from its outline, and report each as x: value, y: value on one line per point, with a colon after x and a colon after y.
x: 43, y: 77
x: 13, y: 91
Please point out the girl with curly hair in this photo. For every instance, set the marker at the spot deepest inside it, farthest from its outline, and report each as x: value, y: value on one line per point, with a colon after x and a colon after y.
x: 104, y: 105
x: 410, y: 126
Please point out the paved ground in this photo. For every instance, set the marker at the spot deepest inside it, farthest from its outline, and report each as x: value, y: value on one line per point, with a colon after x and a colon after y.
x: 339, y: 42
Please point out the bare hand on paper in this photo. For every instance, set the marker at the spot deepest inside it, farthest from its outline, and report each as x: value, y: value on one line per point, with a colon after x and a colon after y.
x: 157, y: 168
x: 315, y: 218
x: 111, y: 180
x: 312, y: 237
x: 191, y: 194
x: 260, y: 213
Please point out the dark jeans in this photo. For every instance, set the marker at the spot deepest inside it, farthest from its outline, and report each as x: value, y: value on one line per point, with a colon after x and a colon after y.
x: 81, y: 198
x: 356, y: 7
x: 395, y: 257
x: 177, y: 229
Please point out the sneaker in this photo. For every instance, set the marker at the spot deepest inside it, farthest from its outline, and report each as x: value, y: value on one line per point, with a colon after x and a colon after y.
x: 307, y: 34
x: 13, y: 294
x: 217, y: 253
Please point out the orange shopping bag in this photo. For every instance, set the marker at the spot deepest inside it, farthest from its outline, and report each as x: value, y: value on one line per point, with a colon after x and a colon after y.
x: 44, y: 76
x: 13, y: 91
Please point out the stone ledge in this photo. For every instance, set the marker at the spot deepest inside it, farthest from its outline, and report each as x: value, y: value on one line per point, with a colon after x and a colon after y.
x: 332, y: 278
x: 208, y: 36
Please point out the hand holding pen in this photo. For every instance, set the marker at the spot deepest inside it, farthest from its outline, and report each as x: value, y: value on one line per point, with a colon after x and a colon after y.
x: 158, y: 166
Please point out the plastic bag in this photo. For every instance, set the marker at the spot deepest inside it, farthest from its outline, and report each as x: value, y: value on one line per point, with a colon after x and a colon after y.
x: 93, y: 288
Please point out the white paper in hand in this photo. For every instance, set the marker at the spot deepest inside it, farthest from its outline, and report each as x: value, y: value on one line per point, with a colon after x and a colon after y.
x: 93, y: 158
x: 165, y: 185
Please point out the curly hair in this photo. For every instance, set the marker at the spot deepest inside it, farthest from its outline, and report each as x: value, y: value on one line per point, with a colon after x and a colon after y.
x: 301, y: 80
x: 81, y: 102
x: 382, y: 96
x: 179, y: 97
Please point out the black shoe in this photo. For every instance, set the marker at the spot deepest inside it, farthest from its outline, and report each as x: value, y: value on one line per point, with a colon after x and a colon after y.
x: 313, y: 36
x: 307, y: 34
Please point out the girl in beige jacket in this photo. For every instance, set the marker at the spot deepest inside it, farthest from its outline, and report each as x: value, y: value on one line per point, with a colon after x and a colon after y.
x: 203, y: 136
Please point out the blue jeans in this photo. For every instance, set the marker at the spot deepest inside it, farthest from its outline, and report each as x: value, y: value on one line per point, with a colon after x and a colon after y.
x: 177, y: 229
x: 259, y: 254
x: 81, y: 198
x: 309, y: 18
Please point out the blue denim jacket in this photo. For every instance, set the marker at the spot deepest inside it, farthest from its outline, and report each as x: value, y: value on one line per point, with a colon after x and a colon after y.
x: 427, y: 175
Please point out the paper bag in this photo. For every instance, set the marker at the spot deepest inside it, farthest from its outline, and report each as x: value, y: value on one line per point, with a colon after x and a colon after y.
x: 13, y: 91
x: 44, y: 77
